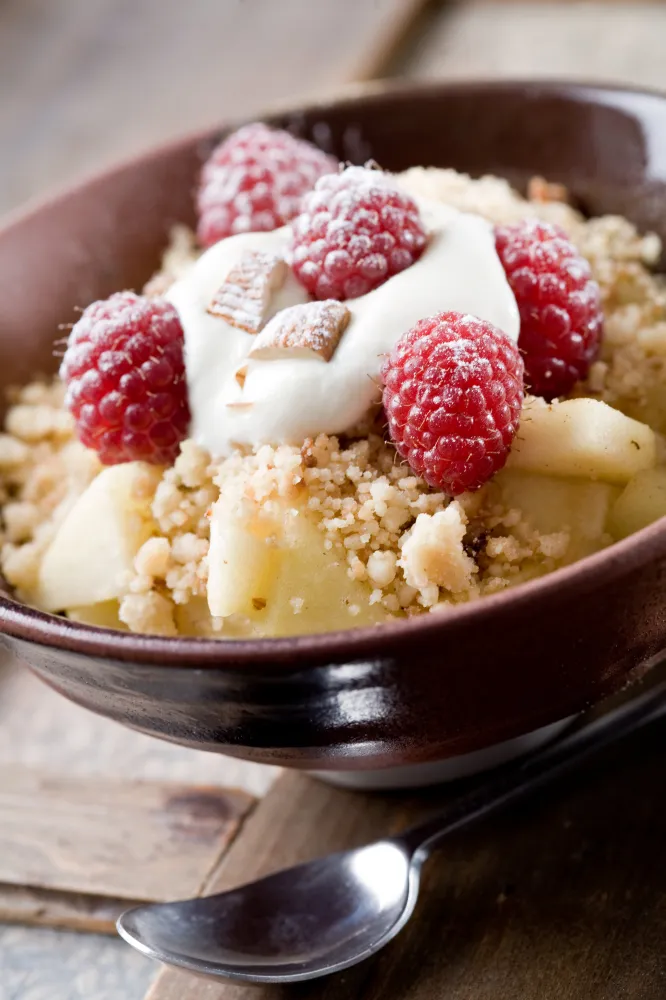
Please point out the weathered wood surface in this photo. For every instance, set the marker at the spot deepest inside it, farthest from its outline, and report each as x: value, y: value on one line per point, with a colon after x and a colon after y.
x: 63, y: 910
x: 84, y: 82
x: 561, y: 900
x: 40, y: 729
x: 125, y: 839
x: 599, y: 40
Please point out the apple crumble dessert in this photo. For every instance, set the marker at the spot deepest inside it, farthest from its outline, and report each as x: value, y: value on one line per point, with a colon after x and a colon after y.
x: 350, y: 397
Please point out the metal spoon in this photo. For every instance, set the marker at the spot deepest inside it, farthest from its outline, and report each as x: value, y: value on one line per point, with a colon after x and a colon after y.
x: 331, y: 913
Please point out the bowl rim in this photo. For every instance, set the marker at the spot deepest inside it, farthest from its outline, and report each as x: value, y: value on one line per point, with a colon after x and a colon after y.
x: 22, y: 622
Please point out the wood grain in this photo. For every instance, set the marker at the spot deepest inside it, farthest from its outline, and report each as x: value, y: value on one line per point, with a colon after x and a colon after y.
x: 63, y: 910
x: 124, y: 840
x: 596, y: 40
x: 562, y: 900
x: 86, y: 83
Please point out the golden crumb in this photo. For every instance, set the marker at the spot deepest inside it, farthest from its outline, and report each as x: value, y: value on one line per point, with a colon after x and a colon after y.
x: 433, y: 553
x: 180, y: 254
x: 540, y: 190
x: 148, y: 612
x: 153, y: 558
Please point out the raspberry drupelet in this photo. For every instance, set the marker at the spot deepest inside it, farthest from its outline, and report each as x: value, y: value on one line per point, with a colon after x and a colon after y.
x: 254, y: 181
x: 354, y: 232
x: 453, y: 391
x: 559, y: 304
x: 125, y: 379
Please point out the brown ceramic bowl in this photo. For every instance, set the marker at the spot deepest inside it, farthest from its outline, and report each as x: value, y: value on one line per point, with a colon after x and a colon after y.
x: 418, y: 690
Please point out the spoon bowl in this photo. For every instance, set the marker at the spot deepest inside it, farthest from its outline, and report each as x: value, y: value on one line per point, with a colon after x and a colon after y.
x: 298, y: 924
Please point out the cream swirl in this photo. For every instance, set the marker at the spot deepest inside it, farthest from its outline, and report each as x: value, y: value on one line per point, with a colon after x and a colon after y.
x: 293, y: 398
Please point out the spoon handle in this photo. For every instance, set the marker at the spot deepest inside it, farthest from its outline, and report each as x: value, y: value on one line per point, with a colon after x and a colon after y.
x: 555, y: 760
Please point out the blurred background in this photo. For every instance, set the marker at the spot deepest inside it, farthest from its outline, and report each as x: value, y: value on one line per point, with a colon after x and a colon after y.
x: 85, y: 82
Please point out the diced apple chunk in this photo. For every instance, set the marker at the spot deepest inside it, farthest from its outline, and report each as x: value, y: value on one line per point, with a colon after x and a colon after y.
x: 583, y: 438
x: 551, y: 504
x: 95, y: 546
x: 242, y: 560
x: 194, y: 619
x: 274, y: 570
x: 642, y: 501
x: 104, y: 615
x: 314, y: 592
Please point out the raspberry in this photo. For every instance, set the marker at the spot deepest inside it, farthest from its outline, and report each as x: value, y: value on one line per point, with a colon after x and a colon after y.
x: 354, y: 232
x: 453, y: 389
x: 558, y: 301
x: 255, y: 180
x: 125, y: 379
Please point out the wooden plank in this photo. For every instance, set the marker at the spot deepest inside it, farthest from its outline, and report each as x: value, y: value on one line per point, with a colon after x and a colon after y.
x: 125, y: 840
x: 563, y: 899
x: 62, y: 910
x: 597, y: 40
x: 86, y: 83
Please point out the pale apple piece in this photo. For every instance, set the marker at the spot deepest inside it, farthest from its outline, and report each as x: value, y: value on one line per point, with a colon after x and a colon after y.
x: 642, y: 501
x: 104, y: 615
x: 243, y: 558
x: 95, y: 546
x: 273, y: 570
x: 195, y: 619
x: 582, y: 438
x: 313, y: 591
x: 552, y: 504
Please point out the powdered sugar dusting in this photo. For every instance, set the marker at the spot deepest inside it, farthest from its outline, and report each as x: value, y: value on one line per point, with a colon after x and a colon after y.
x: 254, y: 181
x: 244, y: 297
x: 310, y: 330
x: 355, y: 230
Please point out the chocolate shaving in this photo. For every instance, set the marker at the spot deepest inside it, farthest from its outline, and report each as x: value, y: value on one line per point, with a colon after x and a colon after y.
x: 311, y: 330
x: 244, y: 297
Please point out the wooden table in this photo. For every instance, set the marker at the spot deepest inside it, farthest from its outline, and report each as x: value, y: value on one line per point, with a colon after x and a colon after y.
x: 83, y: 83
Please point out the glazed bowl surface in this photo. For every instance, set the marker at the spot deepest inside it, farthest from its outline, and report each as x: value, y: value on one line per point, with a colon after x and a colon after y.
x: 419, y: 690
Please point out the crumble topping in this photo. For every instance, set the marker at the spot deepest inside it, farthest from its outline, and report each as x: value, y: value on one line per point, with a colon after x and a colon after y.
x: 181, y: 252
x: 433, y: 555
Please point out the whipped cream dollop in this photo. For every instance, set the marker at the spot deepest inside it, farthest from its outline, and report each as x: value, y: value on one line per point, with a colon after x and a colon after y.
x: 283, y: 401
